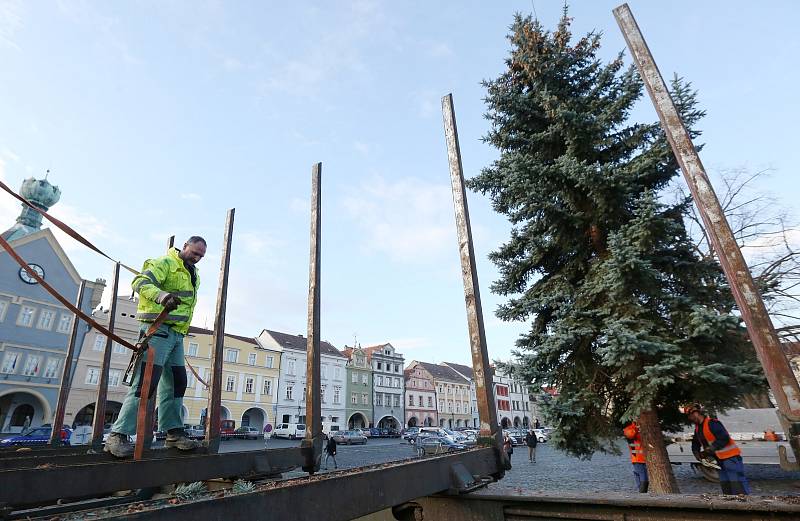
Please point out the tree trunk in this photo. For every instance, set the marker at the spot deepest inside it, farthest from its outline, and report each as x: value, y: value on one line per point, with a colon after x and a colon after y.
x: 659, y: 469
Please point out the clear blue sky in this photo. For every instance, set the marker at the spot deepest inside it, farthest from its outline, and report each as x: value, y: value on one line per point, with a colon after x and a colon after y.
x: 155, y: 117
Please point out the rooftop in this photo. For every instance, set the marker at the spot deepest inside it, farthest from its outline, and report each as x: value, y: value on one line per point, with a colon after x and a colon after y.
x: 202, y: 331
x: 300, y: 343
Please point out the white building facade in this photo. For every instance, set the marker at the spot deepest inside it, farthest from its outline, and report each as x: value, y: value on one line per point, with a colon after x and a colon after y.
x: 291, y: 398
x: 388, y: 386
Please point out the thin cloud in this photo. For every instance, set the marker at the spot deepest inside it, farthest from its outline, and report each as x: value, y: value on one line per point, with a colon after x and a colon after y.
x: 191, y: 196
x: 10, y: 23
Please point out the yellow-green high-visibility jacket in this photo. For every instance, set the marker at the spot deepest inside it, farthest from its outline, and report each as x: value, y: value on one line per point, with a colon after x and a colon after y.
x: 163, y: 275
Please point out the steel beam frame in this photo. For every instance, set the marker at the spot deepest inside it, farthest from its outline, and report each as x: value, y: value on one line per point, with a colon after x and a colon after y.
x: 48, y: 482
x: 336, y: 496
x: 98, y: 423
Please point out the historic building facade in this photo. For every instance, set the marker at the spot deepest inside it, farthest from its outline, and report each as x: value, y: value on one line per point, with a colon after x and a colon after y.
x: 250, y: 373
x: 291, y: 398
x: 452, y: 395
x: 358, y: 388
x: 467, y: 372
x: 420, y: 395
x: 34, y: 326
x: 83, y: 393
x: 388, y: 397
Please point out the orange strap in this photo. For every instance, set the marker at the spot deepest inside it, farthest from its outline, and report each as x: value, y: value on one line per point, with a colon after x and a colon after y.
x: 195, y: 372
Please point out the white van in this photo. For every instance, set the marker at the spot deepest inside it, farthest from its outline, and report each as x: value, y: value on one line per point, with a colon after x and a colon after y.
x: 292, y: 431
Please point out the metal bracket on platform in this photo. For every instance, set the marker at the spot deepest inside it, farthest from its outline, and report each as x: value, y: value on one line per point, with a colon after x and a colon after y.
x: 786, y: 464
x: 463, y: 481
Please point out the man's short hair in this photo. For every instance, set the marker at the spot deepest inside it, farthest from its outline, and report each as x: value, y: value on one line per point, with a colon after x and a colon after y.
x: 195, y: 239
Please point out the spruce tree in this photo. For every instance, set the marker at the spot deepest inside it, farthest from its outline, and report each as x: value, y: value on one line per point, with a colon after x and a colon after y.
x: 627, y: 321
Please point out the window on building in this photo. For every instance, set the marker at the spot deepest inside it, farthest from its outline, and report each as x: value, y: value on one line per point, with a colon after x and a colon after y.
x: 10, y: 362
x: 388, y: 352
x: 378, y: 399
x: 324, y: 372
x: 364, y: 378
x: 334, y: 419
x: 441, y: 405
x: 336, y: 373
x: 397, y: 400
x: 230, y: 383
x: 3, y: 309
x: 51, y: 369
x: 46, y: 319
x: 354, y: 377
x: 353, y: 398
x: 193, y: 346
x: 119, y: 348
x: 190, y: 381
x: 337, y: 391
x: 232, y: 355
x: 290, y: 366
x: 113, y: 377
x: 458, y: 407
x: 380, y: 366
x: 397, y: 383
x: 267, y: 386
x: 411, y: 400
x: 322, y: 393
x: 92, y: 375
x: 364, y: 398
x: 99, y: 342
x: 249, y: 383
x: 270, y: 362
x: 420, y: 400
x: 25, y: 318
x: 289, y: 391
x: 31, y: 365
x: 380, y: 381
x: 396, y: 368
x: 441, y: 389
x: 251, y: 359
x: 430, y: 401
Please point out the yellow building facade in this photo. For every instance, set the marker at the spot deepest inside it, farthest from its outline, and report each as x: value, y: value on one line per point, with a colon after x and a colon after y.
x: 249, y: 379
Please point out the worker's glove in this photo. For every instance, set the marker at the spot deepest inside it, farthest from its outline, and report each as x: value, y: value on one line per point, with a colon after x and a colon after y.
x: 169, y: 301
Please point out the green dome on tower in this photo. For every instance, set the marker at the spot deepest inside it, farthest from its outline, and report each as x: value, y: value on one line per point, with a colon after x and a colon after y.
x: 40, y: 193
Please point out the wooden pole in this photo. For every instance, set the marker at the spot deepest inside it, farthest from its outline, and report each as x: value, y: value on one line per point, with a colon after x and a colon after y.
x: 102, y: 388
x: 762, y: 333
x: 66, y: 373
x: 217, y: 355
x: 311, y: 446
x: 487, y: 408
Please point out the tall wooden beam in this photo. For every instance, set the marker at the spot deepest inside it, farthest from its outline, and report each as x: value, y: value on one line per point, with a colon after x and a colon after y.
x: 312, y: 444
x: 487, y: 408
x: 217, y: 355
x: 66, y: 373
x: 748, y: 299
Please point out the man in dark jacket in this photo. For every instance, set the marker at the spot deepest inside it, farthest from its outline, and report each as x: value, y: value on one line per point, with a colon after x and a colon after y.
x: 330, y: 452
x: 531, y: 440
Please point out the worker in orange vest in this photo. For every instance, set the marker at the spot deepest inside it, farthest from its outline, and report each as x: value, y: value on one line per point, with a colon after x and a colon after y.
x: 634, y: 437
x: 711, y: 440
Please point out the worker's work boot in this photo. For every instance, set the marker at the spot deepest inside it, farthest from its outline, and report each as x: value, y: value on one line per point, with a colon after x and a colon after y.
x: 177, y: 438
x: 118, y: 445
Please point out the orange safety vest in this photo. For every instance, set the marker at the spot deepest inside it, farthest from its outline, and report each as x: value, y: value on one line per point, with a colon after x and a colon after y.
x: 631, y: 432
x: 728, y: 451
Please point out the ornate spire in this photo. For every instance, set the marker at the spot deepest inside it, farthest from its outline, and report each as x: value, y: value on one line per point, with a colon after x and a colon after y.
x: 40, y: 193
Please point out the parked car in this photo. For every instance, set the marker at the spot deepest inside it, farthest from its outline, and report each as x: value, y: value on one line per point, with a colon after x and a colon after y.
x: 410, y: 432
x: 375, y: 432
x: 292, y: 431
x: 364, y: 432
x: 36, y: 436
x: 392, y: 433
x: 227, y: 428
x: 541, y: 435
x: 247, y: 433
x: 195, y: 431
x: 349, y: 438
x: 438, y: 445
x: 516, y: 437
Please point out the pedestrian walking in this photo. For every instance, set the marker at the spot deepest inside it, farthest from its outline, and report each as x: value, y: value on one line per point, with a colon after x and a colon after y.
x: 26, y: 425
x: 712, y: 441
x: 536, y: 424
x: 531, y: 441
x: 508, y: 446
x: 634, y: 437
x: 168, y: 282
x: 330, y: 452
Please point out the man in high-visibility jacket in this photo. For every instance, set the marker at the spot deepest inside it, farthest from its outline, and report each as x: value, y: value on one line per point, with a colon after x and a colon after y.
x: 711, y: 440
x: 171, y: 282
x: 634, y: 437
